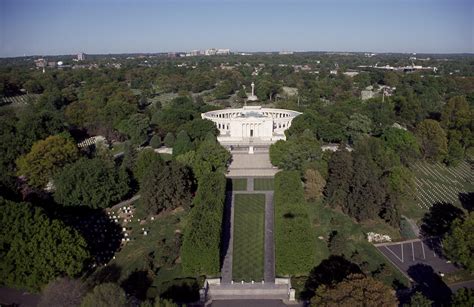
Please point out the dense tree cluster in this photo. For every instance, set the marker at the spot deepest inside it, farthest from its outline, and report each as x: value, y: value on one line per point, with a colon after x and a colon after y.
x: 355, y: 290
x: 166, y: 187
x: 459, y: 243
x: 90, y: 182
x: 35, y: 249
x: 369, y: 182
x: 202, y: 240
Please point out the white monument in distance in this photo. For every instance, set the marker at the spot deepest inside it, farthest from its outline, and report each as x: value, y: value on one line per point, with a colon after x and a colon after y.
x: 252, y: 97
x: 251, y: 125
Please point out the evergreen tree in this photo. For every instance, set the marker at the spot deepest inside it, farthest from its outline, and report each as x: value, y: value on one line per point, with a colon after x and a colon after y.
x: 182, y: 144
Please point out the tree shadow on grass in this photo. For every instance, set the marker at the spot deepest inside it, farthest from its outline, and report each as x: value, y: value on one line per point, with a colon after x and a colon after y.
x: 102, y: 234
x: 182, y: 291
x: 226, y: 224
x: 106, y: 274
x: 330, y: 271
x: 137, y: 284
x: 430, y: 284
x: 438, y: 221
x: 467, y: 200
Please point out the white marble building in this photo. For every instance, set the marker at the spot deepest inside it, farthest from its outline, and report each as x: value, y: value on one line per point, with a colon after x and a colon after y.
x: 251, y: 125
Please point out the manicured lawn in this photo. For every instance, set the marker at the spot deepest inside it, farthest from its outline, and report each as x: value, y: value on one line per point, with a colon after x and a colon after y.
x: 263, y: 184
x: 239, y: 184
x: 249, y: 223
x: 437, y: 183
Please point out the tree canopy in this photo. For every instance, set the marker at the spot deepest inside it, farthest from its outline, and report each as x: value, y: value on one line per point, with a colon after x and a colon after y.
x: 90, y: 182
x: 46, y: 158
x: 35, y: 249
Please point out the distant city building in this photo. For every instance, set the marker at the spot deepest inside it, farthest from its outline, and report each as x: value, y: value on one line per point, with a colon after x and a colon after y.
x: 81, y: 56
x: 40, y: 63
x: 285, y: 52
x: 223, y: 51
x: 211, y: 51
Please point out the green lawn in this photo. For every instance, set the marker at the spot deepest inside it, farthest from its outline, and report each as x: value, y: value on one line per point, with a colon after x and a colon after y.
x: 158, y: 247
x: 249, y: 223
x: 239, y: 184
x: 325, y: 220
x: 437, y: 183
x: 263, y: 184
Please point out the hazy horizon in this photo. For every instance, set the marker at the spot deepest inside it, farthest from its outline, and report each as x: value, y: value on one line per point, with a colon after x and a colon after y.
x: 53, y: 27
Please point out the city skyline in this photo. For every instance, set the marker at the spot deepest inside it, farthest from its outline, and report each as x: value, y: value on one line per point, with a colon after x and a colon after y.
x: 56, y: 28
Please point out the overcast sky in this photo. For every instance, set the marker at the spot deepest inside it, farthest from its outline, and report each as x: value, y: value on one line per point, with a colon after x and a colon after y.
x: 44, y: 27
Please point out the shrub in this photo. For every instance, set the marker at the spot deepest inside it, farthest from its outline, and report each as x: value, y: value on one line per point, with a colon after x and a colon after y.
x: 294, y: 240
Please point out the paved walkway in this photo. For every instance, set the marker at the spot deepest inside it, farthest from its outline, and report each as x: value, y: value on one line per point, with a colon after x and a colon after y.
x: 269, y: 269
x: 228, y: 241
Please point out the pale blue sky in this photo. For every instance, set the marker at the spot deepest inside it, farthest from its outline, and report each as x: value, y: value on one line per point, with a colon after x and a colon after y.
x: 41, y: 27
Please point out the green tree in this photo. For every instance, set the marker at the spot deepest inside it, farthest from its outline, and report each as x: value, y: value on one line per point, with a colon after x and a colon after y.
x: 295, y: 153
x: 166, y: 188
x: 314, y: 184
x: 340, y: 172
x: 455, y: 153
x: 182, y: 144
x: 403, y: 143
x: 464, y: 297
x: 155, y: 141
x: 419, y: 300
x: 364, y: 291
x: 147, y: 159
x: 197, y: 129
x: 358, y: 125
x: 202, y: 238
x: 459, y: 243
x: 105, y: 295
x: 210, y: 157
x: 337, y: 243
x: 169, y: 140
x: 135, y: 127
x: 432, y: 139
x: 36, y: 249
x: 46, y: 159
x: 90, y: 182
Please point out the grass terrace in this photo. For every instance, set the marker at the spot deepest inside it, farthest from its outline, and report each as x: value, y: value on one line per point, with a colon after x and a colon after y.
x: 263, y: 184
x: 238, y: 184
x: 249, y: 224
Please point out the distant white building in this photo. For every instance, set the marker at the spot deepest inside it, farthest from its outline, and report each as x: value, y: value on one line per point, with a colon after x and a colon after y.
x: 211, y: 51
x: 251, y: 125
x: 223, y: 51
x: 81, y: 56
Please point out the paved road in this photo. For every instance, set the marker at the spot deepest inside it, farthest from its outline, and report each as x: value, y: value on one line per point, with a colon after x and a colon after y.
x: 248, y: 303
x: 408, y: 254
x: 9, y: 296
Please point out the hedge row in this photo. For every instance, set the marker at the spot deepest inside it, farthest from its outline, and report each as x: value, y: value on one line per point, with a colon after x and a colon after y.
x: 202, y: 239
x: 294, y: 239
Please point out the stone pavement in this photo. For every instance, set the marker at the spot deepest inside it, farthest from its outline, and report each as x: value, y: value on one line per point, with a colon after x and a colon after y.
x: 256, y: 165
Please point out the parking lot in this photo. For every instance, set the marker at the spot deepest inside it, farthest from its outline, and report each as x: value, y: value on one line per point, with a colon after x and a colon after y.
x: 415, y: 252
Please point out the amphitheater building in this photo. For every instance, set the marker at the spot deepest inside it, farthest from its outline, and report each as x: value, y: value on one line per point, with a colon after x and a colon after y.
x: 251, y: 125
